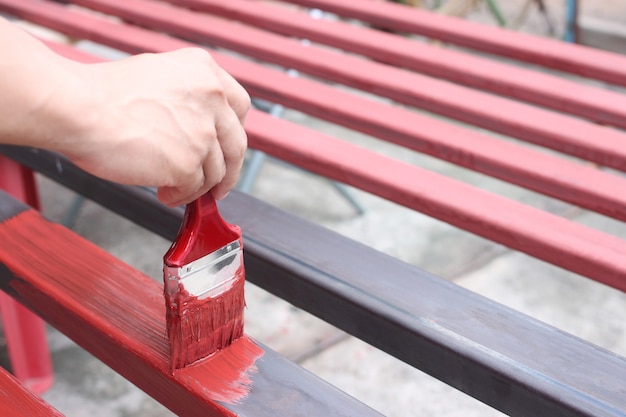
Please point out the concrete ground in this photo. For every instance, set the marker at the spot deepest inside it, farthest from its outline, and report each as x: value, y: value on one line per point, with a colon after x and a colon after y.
x: 85, y: 387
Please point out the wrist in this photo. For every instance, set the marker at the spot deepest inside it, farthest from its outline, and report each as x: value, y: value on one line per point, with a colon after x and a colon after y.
x: 67, y: 110
x: 45, y: 105
x: 47, y: 101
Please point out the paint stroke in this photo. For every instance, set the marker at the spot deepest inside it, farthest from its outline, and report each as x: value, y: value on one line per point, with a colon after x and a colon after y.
x: 226, y: 376
x: 17, y: 401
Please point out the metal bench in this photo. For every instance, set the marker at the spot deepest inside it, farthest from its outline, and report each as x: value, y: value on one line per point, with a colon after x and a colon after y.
x: 463, y: 339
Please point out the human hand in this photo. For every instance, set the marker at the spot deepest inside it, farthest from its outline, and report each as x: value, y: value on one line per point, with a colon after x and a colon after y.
x: 172, y: 120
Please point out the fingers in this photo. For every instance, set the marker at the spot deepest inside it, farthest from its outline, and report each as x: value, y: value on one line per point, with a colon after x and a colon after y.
x: 198, y: 182
x: 179, y: 195
x: 219, y: 172
x: 237, y: 97
x: 220, y: 167
x: 233, y: 143
x: 230, y: 132
x: 231, y: 136
x: 218, y: 160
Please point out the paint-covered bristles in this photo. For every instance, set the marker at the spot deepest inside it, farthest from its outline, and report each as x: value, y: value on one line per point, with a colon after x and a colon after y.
x: 199, y: 328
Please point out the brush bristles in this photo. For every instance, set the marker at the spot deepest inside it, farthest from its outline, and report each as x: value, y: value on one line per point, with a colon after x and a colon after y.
x: 199, y: 328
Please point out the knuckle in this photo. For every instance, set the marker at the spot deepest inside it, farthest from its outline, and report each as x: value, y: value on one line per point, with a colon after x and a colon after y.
x: 221, y: 171
x: 208, y: 135
x: 241, y: 147
x: 244, y: 103
x: 212, y: 90
x: 187, y: 168
x: 200, y: 54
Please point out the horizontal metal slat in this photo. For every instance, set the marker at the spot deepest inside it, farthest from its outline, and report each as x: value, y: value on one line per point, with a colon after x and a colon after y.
x: 15, y: 399
x: 576, y: 59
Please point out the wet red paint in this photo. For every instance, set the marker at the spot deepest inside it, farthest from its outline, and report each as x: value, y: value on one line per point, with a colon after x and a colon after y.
x: 117, y: 314
x: 199, y: 328
x: 17, y: 401
x: 227, y: 374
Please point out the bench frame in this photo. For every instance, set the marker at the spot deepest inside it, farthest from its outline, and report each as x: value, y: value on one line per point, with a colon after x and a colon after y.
x: 461, y: 338
x: 452, y: 334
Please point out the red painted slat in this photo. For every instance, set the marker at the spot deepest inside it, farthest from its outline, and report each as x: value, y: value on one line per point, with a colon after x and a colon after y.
x: 546, y: 90
x: 491, y: 112
x: 17, y: 401
x: 565, y: 180
x: 118, y: 314
x: 576, y: 59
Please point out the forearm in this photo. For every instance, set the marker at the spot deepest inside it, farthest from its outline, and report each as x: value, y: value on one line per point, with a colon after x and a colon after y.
x: 40, y: 92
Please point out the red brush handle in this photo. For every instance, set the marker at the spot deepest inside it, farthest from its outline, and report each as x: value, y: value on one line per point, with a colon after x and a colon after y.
x: 202, y: 232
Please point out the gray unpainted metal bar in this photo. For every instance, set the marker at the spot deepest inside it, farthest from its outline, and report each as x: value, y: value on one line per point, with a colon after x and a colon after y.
x: 512, y: 362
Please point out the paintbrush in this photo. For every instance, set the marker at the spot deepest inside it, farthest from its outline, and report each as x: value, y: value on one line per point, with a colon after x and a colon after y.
x: 204, y: 277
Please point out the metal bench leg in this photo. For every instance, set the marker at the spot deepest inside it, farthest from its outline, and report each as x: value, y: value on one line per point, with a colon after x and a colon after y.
x: 72, y: 212
x: 24, y: 331
x: 253, y: 167
x: 344, y: 190
x: 571, y: 32
x: 257, y: 159
x: 27, y: 344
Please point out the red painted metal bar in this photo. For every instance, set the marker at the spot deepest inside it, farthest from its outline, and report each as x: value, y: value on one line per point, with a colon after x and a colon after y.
x: 118, y: 315
x: 471, y: 106
x: 17, y: 401
x: 571, y: 182
x: 576, y: 59
x: 25, y: 332
x: 27, y: 345
x: 19, y: 182
x: 599, y: 105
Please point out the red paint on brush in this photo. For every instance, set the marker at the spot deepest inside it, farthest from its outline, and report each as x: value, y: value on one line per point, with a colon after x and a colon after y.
x: 117, y: 314
x: 199, y: 327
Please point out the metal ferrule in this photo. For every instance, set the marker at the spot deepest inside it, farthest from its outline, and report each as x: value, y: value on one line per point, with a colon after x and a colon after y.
x: 208, y: 276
